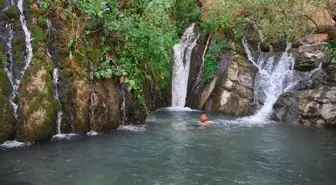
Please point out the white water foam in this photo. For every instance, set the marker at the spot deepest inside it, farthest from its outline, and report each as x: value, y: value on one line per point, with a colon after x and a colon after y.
x: 181, y: 67
x: 13, y: 144
x: 64, y: 136
x: 178, y: 109
x: 92, y: 133
x: 29, y: 48
x: 132, y: 128
x: 275, y: 76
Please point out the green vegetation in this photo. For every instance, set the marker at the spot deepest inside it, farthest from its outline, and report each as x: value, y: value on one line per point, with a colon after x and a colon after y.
x: 271, y: 20
x: 2, y: 3
x: 332, y: 46
x: 217, y: 47
x: 141, y: 38
x: 13, y: 12
x: 138, y: 37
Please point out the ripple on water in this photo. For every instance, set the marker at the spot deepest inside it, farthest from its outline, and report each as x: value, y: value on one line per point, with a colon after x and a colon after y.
x: 132, y: 128
x: 243, y: 122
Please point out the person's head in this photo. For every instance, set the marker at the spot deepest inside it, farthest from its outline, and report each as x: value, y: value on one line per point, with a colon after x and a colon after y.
x: 204, y: 117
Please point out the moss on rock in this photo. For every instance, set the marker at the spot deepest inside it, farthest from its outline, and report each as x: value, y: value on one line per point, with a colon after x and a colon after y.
x: 18, y: 44
x: 36, y: 102
x: 3, y: 16
x: 41, y: 21
x: 13, y: 12
x: 94, y: 55
x: 82, y: 102
x: 6, y: 116
x: 2, y: 4
x: 39, y: 36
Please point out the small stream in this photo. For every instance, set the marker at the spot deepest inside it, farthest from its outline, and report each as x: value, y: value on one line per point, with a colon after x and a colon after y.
x: 172, y: 149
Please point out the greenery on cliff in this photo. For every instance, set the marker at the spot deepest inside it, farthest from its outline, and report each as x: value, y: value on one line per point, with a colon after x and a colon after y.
x: 137, y: 36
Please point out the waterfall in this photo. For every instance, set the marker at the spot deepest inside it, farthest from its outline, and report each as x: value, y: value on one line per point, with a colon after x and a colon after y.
x: 92, y: 116
x: 181, y: 67
x: 55, y: 78
x: 56, y: 96
x: 55, y: 83
x: 123, y: 108
x: 29, y: 48
x: 9, y: 69
x: 15, y: 81
x: 92, y: 102
x: 275, y: 76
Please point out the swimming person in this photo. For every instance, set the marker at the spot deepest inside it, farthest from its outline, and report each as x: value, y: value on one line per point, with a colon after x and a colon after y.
x: 204, y: 120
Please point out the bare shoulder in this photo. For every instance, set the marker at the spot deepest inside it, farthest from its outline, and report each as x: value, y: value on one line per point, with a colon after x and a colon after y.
x: 206, y: 123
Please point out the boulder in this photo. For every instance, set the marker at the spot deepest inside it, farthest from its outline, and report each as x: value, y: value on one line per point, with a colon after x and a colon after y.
x: 332, y: 8
x: 286, y: 108
x: 311, y: 39
x: 309, y: 57
x: 234, y: 93
x: 318, y: 106
x: 321, y: 19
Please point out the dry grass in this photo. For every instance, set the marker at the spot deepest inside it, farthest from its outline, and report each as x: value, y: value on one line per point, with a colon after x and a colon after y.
x: 274, y: 19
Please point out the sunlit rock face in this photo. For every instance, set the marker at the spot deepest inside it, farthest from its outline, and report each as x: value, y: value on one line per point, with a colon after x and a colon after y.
x: 231, y: 91
x: 318, y: 106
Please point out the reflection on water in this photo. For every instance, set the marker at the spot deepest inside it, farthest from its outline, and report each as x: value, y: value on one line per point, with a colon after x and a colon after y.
x: 171, y: 149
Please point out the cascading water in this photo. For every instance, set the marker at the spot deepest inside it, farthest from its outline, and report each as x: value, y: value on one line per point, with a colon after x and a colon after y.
x: 9, y: 70
x: 123, y: 108
x: 59, y: 134
x: 55, y: 78
x: 92, y: 102
x: 29, y: 48
x: 16, y: 79
x: 59, y: 113
x: 181, y: 68
x: 275, y: 76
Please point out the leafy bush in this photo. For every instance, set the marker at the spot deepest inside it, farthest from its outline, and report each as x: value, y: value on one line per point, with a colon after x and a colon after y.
x: 138, y: 37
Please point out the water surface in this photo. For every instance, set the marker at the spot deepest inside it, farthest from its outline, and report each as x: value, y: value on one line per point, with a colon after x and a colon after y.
x: 171, y: 149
